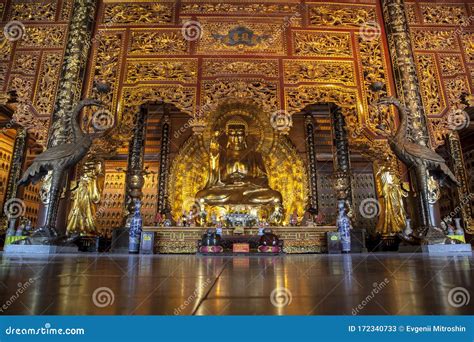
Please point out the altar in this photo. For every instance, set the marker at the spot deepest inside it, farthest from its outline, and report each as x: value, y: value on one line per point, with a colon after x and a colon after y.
x: 183, y: 240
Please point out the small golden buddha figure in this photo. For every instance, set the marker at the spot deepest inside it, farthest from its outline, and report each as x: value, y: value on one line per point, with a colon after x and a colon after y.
x: 237, y: 174
x: 390, y: 192
x: 86, y: 195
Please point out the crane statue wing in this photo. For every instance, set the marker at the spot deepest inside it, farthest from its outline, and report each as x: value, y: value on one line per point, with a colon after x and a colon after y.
x: 64, y: 156
x: 46, y: 162
x: 435, y: 163
x: 422, y: 152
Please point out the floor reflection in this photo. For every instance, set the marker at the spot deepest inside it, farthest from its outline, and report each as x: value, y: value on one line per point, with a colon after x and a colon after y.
x: 183, y: 285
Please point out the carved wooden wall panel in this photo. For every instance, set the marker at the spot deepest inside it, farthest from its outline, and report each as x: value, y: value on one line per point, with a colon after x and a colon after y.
x: 443, y: 39
x: 34, y: 59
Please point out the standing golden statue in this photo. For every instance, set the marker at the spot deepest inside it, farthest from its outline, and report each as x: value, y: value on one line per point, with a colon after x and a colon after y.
x: 237, y: 174
x: 390, y: 193
x: 85, y: 196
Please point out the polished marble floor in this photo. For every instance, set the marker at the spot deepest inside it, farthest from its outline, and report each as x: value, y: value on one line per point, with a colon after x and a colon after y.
x: 363, y: 284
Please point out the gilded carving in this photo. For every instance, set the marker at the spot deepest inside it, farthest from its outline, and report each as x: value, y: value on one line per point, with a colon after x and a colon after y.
x: 24, y: 115
x: 441, y: 14
x: 184, y: 98
x: 322, y: 44
x: 468, y: 44
x: 107, y: 64
x: 47, y: 82
x: 262, y: 93
x: 438, y: 130
x: 222, y: 67
x: 221, y: 8
x: 184, y: 70
x: 187, y: 176
x: 341, y: 72
x: 228, y: 38
x: 454, y: 90
x: 410, y: 9
x: 33, y: 10
x: 346, y: 98
x: 451, y: 65
x: 431, y: 91
x: 5, y: 48
x: 287, y: 174
x: 25, y: 63
x: 43, y: 36
x: 66, y: 10
x: 143, y: 13
x: 3, y: 72
x: 433, y: 40
x: 162, y: 42
x: 371, y: 59
x: 341, y: 15
x: 23, y: 87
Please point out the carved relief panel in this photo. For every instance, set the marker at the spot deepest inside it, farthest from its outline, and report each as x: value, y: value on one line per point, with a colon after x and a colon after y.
x: 30, y: 63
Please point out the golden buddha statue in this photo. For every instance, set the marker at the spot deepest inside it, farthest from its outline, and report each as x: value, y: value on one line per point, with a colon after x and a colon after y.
x: 237, y: 173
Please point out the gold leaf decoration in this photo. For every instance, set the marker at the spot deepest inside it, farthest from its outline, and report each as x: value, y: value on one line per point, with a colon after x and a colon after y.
x: 143, y: 13
x: 341, y: 72
x: 223, y: 67
x: 322, y: 44
x: 45, y: 93
x: 184, y: 70
x: 161, y: 42
x: 341, y: 15
x: 42, y: 36
x: 431, y: 92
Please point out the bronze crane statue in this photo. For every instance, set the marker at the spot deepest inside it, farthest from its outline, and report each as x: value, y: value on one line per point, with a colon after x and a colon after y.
x: 424, y: 160
x: 59, y: 159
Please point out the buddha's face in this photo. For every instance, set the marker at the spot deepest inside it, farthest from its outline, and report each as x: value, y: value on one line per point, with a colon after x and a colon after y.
x: 236, y: 137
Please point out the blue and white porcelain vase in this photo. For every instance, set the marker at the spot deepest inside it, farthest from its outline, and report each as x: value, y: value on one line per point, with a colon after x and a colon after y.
x: 343, y: 224
x: 135, y: 229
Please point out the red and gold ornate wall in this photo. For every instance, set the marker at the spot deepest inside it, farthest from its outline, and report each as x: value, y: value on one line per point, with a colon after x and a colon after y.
x: 304, y: 52
x: 31, y: 65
